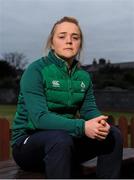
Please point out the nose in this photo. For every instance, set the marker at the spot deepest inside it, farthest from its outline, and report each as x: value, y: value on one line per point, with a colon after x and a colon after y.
x: 69, y: 40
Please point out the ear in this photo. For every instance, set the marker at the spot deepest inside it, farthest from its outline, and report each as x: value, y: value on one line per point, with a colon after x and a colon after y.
x: 52, y: 46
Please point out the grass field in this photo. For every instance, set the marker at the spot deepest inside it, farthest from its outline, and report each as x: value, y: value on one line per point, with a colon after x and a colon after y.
x: 117, y: 115
x: 8, y: 111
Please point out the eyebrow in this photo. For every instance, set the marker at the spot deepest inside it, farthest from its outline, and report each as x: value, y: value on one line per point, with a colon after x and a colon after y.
x: 76, y: 34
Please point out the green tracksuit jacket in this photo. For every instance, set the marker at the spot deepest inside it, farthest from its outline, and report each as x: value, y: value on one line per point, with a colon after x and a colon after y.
x: 50, y: 97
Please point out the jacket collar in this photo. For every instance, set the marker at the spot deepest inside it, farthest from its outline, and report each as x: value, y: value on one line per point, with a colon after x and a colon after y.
x: 60, y: 62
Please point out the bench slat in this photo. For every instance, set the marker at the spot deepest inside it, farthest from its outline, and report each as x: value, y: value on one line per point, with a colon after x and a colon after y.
x: 9, y: 169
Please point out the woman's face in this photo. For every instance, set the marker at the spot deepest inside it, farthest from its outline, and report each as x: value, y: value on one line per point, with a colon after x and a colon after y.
x: 66, y: 40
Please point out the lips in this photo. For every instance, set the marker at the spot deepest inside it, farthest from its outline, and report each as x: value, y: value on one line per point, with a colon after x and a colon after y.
x: 68, y: 49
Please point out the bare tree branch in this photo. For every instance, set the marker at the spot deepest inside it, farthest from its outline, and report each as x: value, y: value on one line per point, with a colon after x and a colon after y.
x: 15, y: 59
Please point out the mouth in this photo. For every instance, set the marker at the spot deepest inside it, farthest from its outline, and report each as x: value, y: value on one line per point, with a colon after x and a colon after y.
x: 68, y: 49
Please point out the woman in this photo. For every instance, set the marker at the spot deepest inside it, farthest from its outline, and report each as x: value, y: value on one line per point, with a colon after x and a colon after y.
x: 46, y: 133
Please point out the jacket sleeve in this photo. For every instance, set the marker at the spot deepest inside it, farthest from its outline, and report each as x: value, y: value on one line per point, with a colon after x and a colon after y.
x: 40, y: 117
x: 89, y: 109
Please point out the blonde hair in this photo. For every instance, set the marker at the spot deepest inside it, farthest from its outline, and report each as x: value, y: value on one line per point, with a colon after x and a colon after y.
x: 64, y: 19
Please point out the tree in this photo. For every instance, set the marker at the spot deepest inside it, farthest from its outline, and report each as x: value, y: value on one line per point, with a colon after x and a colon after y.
x: 94, y: 62
x: 7, y: 70
x: 15, y: 59
x: 102, y: 61
x: 8, y: 75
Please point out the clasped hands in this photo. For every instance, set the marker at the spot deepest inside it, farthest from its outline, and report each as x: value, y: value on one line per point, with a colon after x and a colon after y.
x: 97, y: 128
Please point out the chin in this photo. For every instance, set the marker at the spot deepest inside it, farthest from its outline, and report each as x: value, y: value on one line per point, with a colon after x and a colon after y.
x: 68, y: 56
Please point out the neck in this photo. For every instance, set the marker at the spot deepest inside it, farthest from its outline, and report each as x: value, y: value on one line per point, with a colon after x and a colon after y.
x: 68, y: 61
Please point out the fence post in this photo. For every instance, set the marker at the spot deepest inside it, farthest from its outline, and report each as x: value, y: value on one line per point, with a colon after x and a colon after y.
x: 4, y: 139
x: 132, y: 132
x: 111, y: 120
x: 123, y: 125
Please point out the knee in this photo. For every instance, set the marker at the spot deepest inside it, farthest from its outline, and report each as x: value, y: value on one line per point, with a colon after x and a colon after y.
x: 63, y: 139
x: 117, y: 136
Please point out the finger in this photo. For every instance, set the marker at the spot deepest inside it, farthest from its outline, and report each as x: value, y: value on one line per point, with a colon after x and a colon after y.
x: 100, y: 138
x: 108, y: 126
x: 103, y: 122
x: 105, y: 126
x: 102, y: 133
x: 101, y: 129
x: 102, y: 117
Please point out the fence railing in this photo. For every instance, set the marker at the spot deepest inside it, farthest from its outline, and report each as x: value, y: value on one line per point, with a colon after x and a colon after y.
x: 4, y: 139
x: 126, y: 126
x: 127, y: 129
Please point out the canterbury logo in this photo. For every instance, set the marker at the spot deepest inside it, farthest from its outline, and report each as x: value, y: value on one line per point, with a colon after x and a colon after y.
x: 55, y: 83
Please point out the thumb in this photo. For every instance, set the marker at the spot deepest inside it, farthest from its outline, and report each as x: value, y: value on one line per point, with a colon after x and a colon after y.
x: 102, y: 117
x: 103, y: 122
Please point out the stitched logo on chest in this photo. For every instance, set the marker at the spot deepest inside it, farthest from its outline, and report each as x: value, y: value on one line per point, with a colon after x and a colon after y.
x: 55, y: 83
x: 82, y: 86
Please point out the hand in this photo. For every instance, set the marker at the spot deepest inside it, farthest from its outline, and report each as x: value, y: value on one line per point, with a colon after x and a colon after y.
x: 103, y: 131
x: 97, y: 128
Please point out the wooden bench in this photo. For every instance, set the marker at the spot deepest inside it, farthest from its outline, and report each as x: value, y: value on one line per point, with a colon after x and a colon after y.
x: 9, y: 169
x: 127, y: 171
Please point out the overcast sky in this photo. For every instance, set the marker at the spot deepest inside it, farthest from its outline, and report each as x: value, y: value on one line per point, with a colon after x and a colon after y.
x: 107, y: 25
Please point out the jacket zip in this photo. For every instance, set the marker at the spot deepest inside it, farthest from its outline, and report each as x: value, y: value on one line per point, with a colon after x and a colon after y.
x: 69, y: 87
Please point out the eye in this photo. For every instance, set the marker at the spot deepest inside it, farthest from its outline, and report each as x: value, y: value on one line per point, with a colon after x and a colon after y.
x: 76, y: 37
x: 61, y: 37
